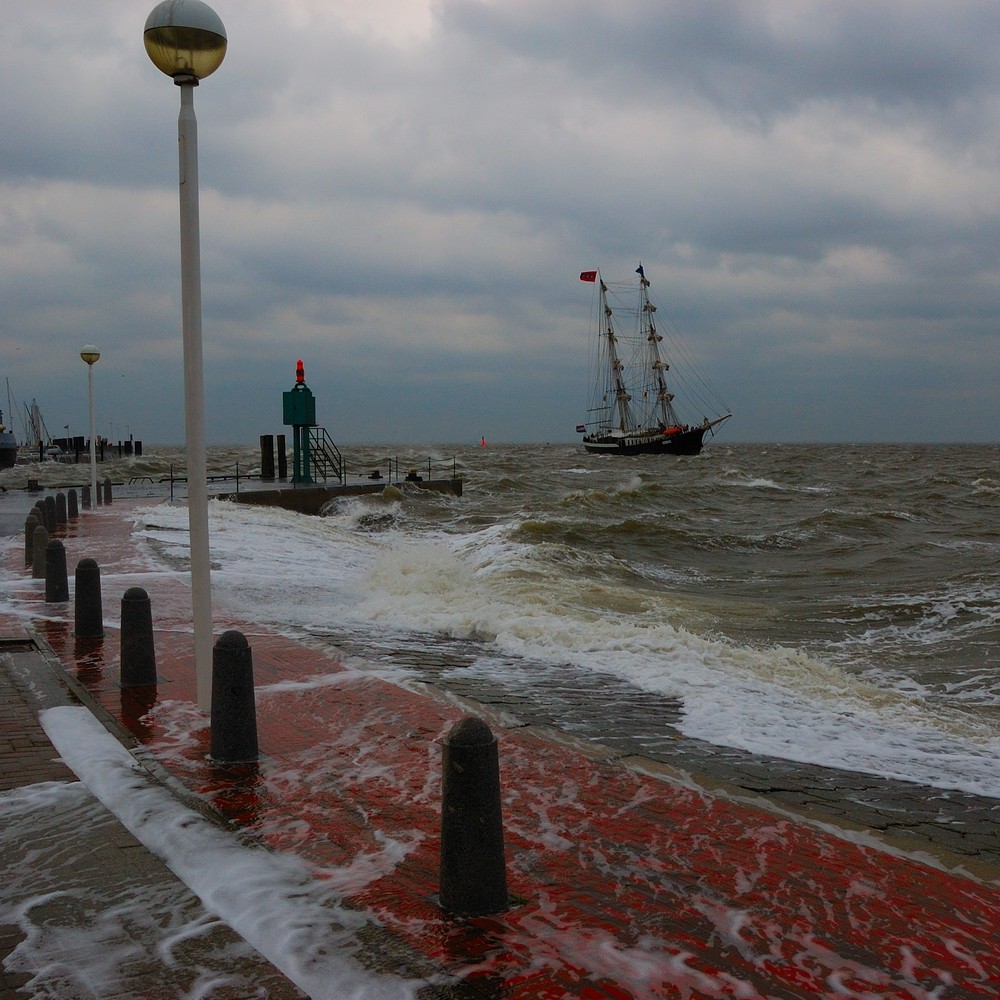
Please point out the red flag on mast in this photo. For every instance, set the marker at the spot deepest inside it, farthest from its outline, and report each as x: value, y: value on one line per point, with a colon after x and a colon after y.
x: 588, y: 276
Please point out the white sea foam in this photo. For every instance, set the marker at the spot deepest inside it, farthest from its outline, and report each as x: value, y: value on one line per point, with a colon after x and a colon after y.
x: 81, y: 937
x: 273, y: 900
x: 512, y: 605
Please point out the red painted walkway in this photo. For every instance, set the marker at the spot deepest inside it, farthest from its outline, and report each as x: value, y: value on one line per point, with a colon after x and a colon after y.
x: 628, y: 886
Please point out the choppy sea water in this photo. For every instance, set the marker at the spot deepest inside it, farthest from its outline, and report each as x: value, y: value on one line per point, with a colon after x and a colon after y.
x: 832, y: 605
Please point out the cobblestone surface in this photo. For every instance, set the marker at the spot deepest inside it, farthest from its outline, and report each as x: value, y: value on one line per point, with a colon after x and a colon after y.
x: 642, y: 729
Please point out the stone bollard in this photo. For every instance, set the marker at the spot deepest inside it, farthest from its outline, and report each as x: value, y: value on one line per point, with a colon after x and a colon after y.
x: 74, y: 509
x: 107, y: 491
x: 234, y: 714
x: 87, y: 601
x: 56, y: 581
x: 30, y: 523
x: 50, y: 514
x: 39, y: 543
x: 61, y: 508
x: 86, y: 497
x: 138, y: 655
x: 473, y: 874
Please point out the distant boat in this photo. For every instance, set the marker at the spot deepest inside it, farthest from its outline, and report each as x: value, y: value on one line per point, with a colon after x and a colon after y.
x: 36, y: 442
x: 632, y: 409
x: 8, y: 446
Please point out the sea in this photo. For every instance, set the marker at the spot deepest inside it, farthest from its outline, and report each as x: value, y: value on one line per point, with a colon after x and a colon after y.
x: 833, y: 605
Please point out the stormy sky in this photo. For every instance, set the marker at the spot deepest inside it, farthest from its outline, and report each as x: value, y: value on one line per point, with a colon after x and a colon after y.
x: 403, y: 193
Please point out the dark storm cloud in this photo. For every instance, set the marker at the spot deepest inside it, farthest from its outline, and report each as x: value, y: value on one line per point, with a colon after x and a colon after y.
x: 764, y: 58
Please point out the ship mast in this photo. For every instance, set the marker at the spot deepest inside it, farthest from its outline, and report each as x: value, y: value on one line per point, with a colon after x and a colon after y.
x: 664, y: 397
x: 622, y: 397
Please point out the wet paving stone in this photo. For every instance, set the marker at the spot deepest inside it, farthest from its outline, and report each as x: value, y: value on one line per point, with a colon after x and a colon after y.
x: 607, y: 711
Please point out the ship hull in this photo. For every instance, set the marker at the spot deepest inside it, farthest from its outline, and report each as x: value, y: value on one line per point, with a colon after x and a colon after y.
x: 8, y: 451
x: 598, y: 445
x: 687, y: 442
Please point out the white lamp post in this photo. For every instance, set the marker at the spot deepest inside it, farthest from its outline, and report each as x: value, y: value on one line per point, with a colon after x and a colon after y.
x: 91, y: 355
x: 187, y: 41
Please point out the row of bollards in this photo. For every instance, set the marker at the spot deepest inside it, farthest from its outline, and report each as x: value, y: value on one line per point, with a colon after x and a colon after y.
x: 51, y: 513
x: 472, y: 866
x: 233, y: 722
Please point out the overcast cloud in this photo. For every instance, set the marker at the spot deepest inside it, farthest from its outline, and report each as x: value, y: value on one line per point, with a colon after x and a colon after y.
x: 403, y: 192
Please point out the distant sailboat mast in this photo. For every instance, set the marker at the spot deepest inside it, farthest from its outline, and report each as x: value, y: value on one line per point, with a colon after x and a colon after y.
x: 622, y: 396
x: 664, y: 397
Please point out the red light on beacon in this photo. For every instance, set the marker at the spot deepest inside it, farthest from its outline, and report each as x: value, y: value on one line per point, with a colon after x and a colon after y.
x: 300, y: 372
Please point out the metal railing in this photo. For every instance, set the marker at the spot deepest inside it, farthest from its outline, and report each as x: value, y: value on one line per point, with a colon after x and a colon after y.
x: 397, y: 472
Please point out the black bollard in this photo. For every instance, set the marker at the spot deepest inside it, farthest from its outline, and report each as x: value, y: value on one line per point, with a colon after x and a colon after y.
x: 138, y: 655
x: 50, y: 514
x: 30, y: 523
x: 473, y: 874
x: 86, y: 498
x: 282, y: 457
x: 56, y: 581
x: 39, y: 543
x: 61, y: 508
x: 267, y: 457
x: 87, y: 601
x: 74, y: 509
x: 234, y: 714
x: 107, y: 491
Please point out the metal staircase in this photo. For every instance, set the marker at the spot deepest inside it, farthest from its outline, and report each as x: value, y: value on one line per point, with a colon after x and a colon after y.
x: 324, y: 456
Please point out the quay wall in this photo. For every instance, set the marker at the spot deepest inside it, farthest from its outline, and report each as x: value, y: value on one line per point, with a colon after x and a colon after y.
x: 312, y: 499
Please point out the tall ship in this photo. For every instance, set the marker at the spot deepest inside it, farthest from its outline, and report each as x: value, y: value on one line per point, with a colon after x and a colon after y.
x: 632, y: 409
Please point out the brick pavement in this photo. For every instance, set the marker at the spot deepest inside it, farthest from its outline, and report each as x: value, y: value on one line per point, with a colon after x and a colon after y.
x: 626, y: 885
x: 26, y: 755
x: 76, y: 882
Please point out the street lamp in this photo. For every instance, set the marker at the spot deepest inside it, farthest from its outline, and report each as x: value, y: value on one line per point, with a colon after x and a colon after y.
x: 186, y: 40
x: 91, y: 355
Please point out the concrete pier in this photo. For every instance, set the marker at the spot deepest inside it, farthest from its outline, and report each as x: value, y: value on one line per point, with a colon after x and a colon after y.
x: 312, y: 499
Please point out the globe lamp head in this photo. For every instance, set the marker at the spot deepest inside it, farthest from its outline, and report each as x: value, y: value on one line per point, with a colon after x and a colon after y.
x: 185, y: 38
